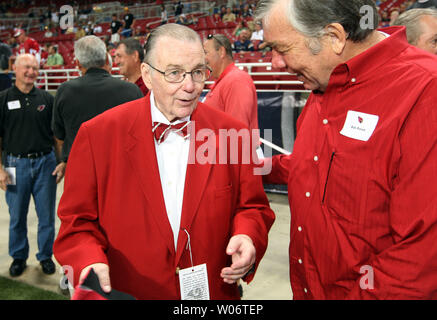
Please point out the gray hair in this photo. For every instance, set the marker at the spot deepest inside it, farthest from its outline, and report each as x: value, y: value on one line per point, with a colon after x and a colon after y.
x: 172, y: 30
x: 411, y: 20
x: 310, y: 17
x: 90, y: 51
x: 220, y: 40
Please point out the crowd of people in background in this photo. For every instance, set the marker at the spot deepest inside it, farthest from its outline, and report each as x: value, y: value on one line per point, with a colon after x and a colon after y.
x: 247, y: 34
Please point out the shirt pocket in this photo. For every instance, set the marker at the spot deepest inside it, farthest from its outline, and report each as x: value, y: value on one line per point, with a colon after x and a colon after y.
x: 345, y: 189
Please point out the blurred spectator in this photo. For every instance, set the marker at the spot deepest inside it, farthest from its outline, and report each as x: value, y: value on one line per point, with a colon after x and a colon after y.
x: 97, y: 29
x: 222, y: 11
x: 5, y: 54
x: 79, y: 33
x: 229, y: 16
x: 394, y: 14
x: 178, y: 8
x: 258, y: 37
x: 115, y: 25
x: 385, y: 19
x: 182, y: 19
x: 54, y: 58
x: 192, y: 19
x: 240, y: 26
x: 45, y: 53
x: 129, y: 22
x: 421, y: 27
x: 48, y: 33
x: 246, y: 12
x: 55, y: 18
x: 128, y: 57
x: 243, y: 44
x: 258, y: 33
x: 164, y: 15
x: 27, y: 44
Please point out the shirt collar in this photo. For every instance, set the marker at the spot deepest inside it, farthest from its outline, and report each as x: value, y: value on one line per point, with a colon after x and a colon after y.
x: 157, y: 115
x: 20, y: 93
x: 353, y: 70
x: 223, y: 74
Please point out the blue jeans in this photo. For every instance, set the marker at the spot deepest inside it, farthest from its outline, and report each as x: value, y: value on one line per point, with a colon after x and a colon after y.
x: 33, y: 177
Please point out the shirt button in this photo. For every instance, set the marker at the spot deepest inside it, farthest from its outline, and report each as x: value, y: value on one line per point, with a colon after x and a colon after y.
x: 316, y: 158
x: 305, y: 290
x: 354, y: 80
x: 325, y: 121
x: 299, y: 229
x: 300, y: 261
x: 307, y: 194
x: 177, y: 270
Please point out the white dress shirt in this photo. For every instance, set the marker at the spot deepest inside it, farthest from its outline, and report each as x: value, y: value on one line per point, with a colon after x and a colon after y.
x: 172, y: 156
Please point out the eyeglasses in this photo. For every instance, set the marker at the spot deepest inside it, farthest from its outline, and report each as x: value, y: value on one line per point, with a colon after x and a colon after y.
x: 178, y: 75
x: 211, y: 36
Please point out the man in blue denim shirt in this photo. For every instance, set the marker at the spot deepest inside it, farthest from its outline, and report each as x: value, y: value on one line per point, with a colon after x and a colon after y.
x: 26, y: 141
x: 243, y: 44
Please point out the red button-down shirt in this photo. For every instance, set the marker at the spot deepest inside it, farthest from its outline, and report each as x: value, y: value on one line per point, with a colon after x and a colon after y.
x: 234, y: 93
x: 364, y: 213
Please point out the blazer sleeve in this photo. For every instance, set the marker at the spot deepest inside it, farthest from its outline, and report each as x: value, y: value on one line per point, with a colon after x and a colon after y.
x: 80, y: 241
x: 253, y: 216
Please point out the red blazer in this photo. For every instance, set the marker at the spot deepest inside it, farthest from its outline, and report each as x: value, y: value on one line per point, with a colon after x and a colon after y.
x: 112, y: 210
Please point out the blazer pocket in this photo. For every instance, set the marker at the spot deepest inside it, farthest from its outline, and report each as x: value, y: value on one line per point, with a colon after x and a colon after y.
x: 223, y: 191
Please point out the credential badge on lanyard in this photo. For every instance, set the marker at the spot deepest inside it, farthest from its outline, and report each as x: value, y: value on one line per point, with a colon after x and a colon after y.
x: 193, y: 280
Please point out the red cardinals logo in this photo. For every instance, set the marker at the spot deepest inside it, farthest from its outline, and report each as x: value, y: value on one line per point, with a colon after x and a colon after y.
x: 41, y: 107
x: 360, y: 120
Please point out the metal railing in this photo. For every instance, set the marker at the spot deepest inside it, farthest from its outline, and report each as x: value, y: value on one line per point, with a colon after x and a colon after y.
x: 51, y: 79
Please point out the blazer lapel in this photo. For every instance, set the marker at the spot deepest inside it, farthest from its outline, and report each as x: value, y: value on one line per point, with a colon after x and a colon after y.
x: 196, y: 177
x: 142, y: 156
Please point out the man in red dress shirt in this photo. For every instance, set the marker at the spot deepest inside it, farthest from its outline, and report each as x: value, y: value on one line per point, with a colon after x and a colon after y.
x: 361, y: 179
x: 233, y: 92
x: 128, y: 57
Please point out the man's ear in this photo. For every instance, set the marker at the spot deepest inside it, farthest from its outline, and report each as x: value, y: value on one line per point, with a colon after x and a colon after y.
x: 222, y: 52
x: 337, y: 37
x: 146, y: 75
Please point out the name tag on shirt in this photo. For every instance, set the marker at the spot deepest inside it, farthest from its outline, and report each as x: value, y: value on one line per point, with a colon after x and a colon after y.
x: 194, y: 283
x: 14, y: 105
x: 359, y: 126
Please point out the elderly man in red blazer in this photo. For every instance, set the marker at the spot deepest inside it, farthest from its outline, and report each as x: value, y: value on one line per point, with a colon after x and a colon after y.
x: 143, y: 200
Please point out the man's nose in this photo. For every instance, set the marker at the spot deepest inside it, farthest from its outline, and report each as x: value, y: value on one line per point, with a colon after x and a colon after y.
x: 188, y: 82
x: 278, y: 61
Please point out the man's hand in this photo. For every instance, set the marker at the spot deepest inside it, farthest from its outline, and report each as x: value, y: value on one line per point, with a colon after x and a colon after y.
x: 59, y: 171
x: 102, y: 271
x: 5, y: 179
x: 243, y: 257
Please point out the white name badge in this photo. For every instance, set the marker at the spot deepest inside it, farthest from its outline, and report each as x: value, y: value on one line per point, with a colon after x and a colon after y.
x: 359, y: 126
x: 194, y: 283
x: 14, y: 105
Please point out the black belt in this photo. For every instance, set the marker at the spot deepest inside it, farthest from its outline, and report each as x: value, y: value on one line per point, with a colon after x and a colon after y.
x: 32, y: 155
